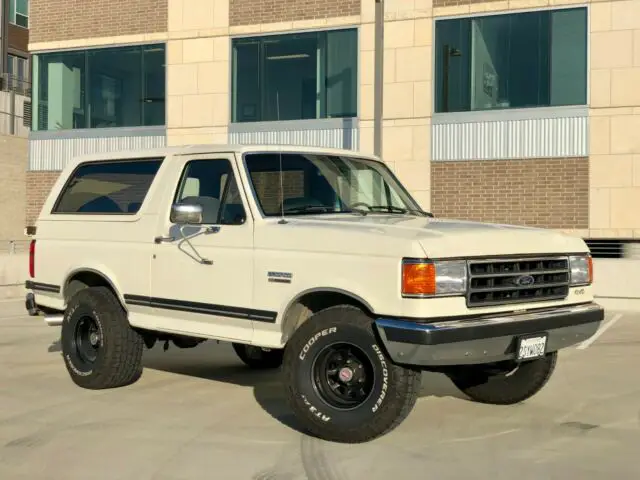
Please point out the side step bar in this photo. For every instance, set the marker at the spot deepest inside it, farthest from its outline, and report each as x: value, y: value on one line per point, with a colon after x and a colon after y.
x: 53, y: 320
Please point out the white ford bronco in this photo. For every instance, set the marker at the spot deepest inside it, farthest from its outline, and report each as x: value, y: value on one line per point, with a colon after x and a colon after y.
x: 316, y: 261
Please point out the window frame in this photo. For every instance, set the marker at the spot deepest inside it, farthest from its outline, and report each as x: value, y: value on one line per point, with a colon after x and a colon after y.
x: 160, y: 159
x: 223, y: 195
x: 517, y: 111
x: 13, y: 14
x: 36, y: 71
x: 260, y: 37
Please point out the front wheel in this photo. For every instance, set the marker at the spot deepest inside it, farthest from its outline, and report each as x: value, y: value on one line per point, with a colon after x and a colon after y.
x: 340, y: 384
x: 507, y: 384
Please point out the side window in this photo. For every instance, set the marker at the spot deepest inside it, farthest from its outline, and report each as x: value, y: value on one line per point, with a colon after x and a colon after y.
x: 108, y: 188
x: 212, y: 184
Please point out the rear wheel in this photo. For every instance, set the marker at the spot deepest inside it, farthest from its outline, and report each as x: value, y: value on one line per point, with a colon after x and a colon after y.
x: 340, y: 384
x: 507, y: 383
x: 258, y: 357
x: 99, y: 347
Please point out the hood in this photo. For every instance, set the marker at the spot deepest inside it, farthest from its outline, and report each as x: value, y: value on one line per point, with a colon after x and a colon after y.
x: 441, y: 238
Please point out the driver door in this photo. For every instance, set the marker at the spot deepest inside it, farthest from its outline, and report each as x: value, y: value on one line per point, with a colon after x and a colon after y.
x: 202, y: 275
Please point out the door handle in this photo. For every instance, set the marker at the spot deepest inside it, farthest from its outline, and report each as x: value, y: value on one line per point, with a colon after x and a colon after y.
x: 163, y: 239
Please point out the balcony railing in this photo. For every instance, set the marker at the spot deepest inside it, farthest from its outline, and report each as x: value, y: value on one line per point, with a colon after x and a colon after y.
x: 15, y: 106
x: 12, y: 83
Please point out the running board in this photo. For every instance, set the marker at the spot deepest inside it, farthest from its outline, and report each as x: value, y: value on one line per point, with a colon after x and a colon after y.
x: 53, y: 320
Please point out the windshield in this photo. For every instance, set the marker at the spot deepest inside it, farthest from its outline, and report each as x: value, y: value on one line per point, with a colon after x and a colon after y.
x: 323, y: 184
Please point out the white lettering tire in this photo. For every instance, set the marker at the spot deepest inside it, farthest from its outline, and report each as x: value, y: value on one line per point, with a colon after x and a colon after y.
x: 340, y: 384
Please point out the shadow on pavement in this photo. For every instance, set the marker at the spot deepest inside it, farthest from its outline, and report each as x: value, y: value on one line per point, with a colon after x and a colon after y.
x: 219, y: 363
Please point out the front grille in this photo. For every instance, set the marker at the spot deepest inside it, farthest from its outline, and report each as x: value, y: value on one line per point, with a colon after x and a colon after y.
x: 505, y: 281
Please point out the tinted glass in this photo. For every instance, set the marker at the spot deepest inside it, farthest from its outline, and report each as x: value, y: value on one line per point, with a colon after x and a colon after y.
x: 532, y: 59
x: 113, y: 188
x: 211, y: 184
x: 315, y: 184
x: 295, y: 76
x: 97, y: 88
x: 115, y: 83
x: 61, y: 99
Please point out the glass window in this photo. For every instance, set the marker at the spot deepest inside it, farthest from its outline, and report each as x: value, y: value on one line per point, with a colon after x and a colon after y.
x: 17, y: 74
x: 110, y: 188
x: 522, y: 60
x: 318, y: 184
x: 19, y: 12
x: 98, y: 88
x: 295, y: 76
x: 211, y: 184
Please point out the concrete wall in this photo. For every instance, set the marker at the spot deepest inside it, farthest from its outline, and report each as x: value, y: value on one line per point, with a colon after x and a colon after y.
x: 14, y: 270
x: 12, y: 114
x: 615, y: 119
x: 13, y: 195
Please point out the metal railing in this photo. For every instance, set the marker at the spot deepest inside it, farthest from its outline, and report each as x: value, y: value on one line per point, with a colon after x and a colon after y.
x: 15, y: 105
x: 12, y: 83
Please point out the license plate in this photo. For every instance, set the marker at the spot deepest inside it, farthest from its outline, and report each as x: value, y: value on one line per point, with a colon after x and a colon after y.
x: 531, y: 347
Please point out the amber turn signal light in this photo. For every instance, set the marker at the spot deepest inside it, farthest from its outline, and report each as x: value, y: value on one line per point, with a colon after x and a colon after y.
x: 418, y: 278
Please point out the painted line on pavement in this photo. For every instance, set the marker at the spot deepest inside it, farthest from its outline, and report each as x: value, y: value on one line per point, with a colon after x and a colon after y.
x: 584, y: 345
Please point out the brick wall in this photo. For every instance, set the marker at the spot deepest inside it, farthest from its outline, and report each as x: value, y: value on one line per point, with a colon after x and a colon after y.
x: 38, y: 187
x: 57, y: 20
x: 267, y: 186
x: 13, y: 165
x: 251, y: 12
x: 551, y: 193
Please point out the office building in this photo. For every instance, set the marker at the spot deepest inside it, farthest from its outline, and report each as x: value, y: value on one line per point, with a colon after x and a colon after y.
x: 520, y: 111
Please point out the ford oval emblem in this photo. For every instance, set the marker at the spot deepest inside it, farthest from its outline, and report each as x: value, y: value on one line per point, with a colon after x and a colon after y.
x: 525, y: 281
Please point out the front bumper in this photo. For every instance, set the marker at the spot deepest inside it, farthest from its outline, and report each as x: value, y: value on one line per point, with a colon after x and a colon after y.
x: 485, y: 339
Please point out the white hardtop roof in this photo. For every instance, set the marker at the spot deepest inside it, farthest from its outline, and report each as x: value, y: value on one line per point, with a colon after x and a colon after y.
x: 215, y: 148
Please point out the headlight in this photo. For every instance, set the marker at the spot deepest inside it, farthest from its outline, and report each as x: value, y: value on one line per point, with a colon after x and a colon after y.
x: 421, y: 278
x: 581, y: 267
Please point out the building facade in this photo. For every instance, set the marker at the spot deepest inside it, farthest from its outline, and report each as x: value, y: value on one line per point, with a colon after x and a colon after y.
x: 14, y: 126
x: 14, y: 44
x: 509, y: 111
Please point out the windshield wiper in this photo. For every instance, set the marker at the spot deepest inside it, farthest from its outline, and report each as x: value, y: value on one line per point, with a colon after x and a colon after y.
x: 308, y: 209
x: 392, y: 209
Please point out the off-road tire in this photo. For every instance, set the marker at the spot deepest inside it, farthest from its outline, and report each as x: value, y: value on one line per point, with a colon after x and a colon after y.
x: 526, y: 381
x: 382, y: 410
x: 258, y: 358
x: 118, y: 361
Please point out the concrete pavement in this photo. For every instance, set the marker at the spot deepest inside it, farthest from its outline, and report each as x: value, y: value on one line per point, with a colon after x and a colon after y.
x: 200, y: 414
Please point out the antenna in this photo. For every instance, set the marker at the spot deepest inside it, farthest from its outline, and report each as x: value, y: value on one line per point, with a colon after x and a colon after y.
x: 282, y: 219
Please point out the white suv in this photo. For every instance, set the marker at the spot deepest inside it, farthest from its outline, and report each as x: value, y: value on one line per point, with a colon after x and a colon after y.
x: 315, y: 259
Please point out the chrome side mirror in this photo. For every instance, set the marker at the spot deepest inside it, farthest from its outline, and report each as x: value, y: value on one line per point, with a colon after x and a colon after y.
x: 186, y: 214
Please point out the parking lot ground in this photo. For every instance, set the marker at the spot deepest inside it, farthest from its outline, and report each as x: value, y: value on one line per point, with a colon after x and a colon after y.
x: 200, y: 414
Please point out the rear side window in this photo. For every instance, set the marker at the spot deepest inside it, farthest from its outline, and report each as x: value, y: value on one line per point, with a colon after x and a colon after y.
x: 108, y: 188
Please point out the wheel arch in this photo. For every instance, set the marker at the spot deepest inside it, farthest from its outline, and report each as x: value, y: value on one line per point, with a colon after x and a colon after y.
x: 86, y: 277
x: 313, y: 300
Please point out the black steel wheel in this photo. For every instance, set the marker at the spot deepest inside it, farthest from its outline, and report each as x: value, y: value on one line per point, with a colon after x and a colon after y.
x: 87, y: 339
x: 99, y: 347
x: 343, y: 375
